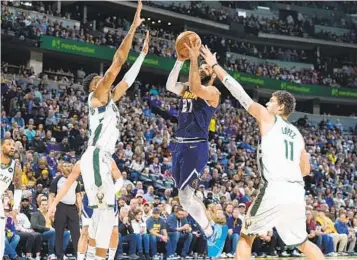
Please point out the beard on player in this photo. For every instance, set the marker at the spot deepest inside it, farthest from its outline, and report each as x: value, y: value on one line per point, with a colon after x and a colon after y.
x: 8, y: 148
x: 205, y: 72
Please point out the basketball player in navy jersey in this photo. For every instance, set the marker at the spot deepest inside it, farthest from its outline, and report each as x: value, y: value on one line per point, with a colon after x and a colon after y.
x: 197, y: 105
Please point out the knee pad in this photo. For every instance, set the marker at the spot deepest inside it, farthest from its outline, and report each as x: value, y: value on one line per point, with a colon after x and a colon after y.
x: 186, y: 196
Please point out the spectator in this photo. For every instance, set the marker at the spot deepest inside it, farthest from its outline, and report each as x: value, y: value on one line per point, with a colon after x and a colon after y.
x: 18, y: 120
x: 140, y: 231
x: 179, y: 230
x: 41, y: 224
x: 328, y: 227
x: 27, y: 235
x: 126, y: 234
x: 234, y: 224
x: 11, y: 240
x: 323, y: 241
x: 149, y: 196
x: 158, y: 232
x: 342, y: 229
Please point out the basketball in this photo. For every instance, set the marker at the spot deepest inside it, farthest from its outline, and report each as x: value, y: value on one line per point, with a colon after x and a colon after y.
x: 183, y: 38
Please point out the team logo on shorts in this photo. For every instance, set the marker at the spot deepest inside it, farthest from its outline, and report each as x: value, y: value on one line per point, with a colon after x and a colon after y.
x: 100, y: 197
x: 10, y: 170
x: 247, y: 223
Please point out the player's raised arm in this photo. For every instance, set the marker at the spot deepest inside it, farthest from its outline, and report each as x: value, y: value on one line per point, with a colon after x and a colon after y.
x: 72, y: 177
x: 207, y: 93
x: 132, y: 73
x: 121, y: 55
x: 258, y: 111
x: 171, y: 84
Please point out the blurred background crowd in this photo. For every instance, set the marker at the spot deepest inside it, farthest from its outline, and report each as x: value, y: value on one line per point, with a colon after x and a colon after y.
x: 46, y: 113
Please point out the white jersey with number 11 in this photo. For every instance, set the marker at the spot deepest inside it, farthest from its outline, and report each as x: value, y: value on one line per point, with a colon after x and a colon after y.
x: 279, y: 153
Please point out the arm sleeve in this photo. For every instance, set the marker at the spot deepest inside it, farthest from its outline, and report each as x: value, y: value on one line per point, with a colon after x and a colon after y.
x: 171, y: 84
x: 17, y: 198
x: 237, y: 91
x: 133, y: 72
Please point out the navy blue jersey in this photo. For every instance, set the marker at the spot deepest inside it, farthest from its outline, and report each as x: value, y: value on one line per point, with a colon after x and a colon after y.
x: 194, y: 117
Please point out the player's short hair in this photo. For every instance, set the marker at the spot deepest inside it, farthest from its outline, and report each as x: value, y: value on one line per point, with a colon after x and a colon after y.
x: 3, y: 140
x: 87, y: 80
x: 287, y: 99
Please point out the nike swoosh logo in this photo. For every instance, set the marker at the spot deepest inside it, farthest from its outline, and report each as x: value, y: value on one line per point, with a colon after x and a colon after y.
x: 192, y: 146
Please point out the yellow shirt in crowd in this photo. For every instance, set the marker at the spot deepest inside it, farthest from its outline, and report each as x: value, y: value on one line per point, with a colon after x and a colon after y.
x: 212, y: 125
x: 327, y: 224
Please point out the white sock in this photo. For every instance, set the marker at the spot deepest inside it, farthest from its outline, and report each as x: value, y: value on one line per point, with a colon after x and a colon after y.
x: 195, y: 207
x: 208, y: 231
x: 112, y: 252
x: 90, y: 252
x: 99, y: 258
x: 80, y: 256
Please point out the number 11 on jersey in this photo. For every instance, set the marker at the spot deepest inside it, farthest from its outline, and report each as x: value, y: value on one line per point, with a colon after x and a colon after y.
x: 289, y: 146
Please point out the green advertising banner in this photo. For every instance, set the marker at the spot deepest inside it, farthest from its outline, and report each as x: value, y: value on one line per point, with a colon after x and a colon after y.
x: 166, y: 64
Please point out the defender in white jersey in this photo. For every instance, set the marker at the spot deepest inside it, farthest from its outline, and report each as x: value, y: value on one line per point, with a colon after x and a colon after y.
x: 283, y: 161
x: 10, y: 172
x: 104, y: 122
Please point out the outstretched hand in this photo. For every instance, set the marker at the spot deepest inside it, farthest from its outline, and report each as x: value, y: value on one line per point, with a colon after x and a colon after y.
x: 137, y: 19
x: 146, y: 43
x: 193, y: 49
x: 208, y: 56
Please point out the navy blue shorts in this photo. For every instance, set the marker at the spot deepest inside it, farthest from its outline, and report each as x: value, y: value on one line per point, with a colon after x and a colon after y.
x: 188, y: 163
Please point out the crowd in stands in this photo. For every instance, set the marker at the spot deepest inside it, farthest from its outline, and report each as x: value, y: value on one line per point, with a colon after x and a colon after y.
x: 345, y: 77
x: 301, y: 27
x: 49, y: 125
x: 162, y: 44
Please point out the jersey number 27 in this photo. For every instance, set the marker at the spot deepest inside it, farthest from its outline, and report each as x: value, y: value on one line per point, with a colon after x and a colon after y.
x: 187, y: 105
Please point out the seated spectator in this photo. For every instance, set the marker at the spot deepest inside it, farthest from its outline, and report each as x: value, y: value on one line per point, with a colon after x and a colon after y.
x: 328, y: 228
x: 140, y: 231
x: 126, y: 234
x: 264, y: 245
x: 342, y: 229
x: 31, y: 239
x: 234, y: 227
x: 198, y: 244
x: 11, y: 241
x: 41, y: 224
x: 149, y: 196
x: 158, y: 232
x: 323, y: 241
x: 10, y: 246
x: 147, y: 211
x: 179, y: 230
